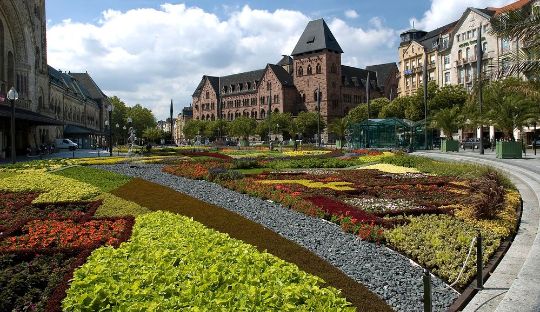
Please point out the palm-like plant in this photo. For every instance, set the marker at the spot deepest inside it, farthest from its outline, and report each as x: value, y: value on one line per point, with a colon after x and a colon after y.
x: 522, y: 25
x: 448, y: 120
x: 509, y: 109
x: 339, y: 128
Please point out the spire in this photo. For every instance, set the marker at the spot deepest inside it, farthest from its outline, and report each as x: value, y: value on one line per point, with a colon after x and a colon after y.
x: 171, y: 108
x: 316, y: 36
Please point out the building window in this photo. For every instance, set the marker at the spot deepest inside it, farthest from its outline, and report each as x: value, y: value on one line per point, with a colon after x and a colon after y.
x: 446, y: 78
x: 268, y: 85
x: 473, y: 33
x: 333, y: 68
x: 207, y: 95
x: 300, y: 72
x: 460, y: 55
x: 484, y: 47
x: 505, y: 44
x: 303, y: 98
x: 309, y: 70
x: 318, y: 69
x: 447, y: 60
x: 467, y: 53
x: 458, y: 37
x: 240, y: 87
x: 432, y: 59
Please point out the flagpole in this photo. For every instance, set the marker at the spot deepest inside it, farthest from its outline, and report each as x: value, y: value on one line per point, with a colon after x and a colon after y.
x: 368, y: 110
x: 479, y: 57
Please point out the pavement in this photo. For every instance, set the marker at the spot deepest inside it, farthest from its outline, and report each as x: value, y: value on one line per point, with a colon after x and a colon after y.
x: 515, y: 284
x: 79, y: 153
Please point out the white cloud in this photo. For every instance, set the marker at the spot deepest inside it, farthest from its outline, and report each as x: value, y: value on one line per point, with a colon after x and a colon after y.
x: 351, y: 14
x: 149, y: 56
x: 443, y: 12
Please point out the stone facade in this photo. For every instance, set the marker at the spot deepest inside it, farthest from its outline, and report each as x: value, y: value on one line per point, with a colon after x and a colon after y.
x: 49, y: 102
x: 291, y: 85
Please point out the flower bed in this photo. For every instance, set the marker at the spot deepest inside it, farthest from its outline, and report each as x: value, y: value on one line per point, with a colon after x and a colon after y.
x: 163, y: 265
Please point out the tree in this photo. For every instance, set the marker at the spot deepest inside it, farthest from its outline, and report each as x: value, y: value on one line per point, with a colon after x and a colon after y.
x: 360, y: 112
x: 216, y: 129
x: 152, y: 134
x: 243, y: 127
x: 142, y: 118
x: 119, y: 117
x: 507, y: 108
x: 306, y: 123
x: 448, y: 120
x: 281, y: 123
x: 447, y: 96
x: 339, y: 128
x: 193, y: 128
x: 396, y: 108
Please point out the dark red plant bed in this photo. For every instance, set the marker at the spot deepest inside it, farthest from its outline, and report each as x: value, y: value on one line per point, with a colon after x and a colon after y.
x: 337, y: 208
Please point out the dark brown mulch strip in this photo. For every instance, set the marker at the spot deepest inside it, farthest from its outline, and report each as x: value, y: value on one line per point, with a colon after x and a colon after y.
x: 157, y: 197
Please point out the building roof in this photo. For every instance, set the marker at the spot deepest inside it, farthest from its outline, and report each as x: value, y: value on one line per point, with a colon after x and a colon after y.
x: 214, y: 82
x: 510, y: 7
x: 241, y: 78
x: 317, y: 36
x: 70, y: 83
x: 285, y: 60
x: 430, y: 40
x: 357, y: 77
x: 282, y: 75
x: 383, y: 72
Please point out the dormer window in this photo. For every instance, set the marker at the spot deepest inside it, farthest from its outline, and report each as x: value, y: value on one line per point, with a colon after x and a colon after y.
x: 225, y: 89
x: 311, y: 40
x: 232, y: 88
x: 248, y: 85
x: 240, y: 87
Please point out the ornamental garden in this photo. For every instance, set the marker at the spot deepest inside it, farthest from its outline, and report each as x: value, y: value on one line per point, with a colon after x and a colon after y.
x: 113, y: 233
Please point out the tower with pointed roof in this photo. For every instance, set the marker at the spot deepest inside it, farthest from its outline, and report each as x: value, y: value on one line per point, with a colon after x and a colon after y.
x: 317, y: 66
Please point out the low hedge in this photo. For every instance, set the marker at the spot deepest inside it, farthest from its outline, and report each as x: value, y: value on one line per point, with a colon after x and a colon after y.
x: 174, y: 263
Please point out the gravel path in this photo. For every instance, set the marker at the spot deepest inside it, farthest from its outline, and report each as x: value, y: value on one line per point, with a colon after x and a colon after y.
x: 385, y: 272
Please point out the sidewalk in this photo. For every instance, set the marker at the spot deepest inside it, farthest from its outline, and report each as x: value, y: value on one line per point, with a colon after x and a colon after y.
x: 80, y: 153
x: 515, y: 283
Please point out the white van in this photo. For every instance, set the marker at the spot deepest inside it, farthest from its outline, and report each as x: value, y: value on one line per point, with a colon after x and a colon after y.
x: 65, y: 143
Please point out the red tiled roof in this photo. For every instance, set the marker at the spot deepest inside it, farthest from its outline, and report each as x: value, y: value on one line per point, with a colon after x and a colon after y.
x: 512, y: 6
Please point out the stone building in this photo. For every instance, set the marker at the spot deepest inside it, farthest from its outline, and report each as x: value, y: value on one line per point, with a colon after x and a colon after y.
x: 181, y: 119
x: 292, y: 84
x: 51, y: 104
x: 451, y: 50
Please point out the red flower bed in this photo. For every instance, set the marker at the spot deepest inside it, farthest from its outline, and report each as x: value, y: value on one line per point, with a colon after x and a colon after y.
x: 337, y: 208
x: 208, y: 154
x: 42, y: 234
x: 53, y: 240
x: 195, y: 170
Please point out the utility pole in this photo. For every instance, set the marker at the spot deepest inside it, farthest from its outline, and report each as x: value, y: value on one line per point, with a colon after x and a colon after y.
x: 319, y: 116
x: 368, y: 110
x: 425, y: 83
x: 172, y: 124
x: 479, y: 57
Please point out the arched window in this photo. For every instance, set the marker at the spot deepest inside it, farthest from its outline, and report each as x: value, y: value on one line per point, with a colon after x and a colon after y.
x: 300, y: 71
x: 263, y: 114
x: 318, y: 69
x: 276, y: 111
x: 333, y: 68
x: 309, y: 70
x: 467, y: 53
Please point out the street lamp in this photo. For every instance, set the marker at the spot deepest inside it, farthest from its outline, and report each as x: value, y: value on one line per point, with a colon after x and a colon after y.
x: 110, y: 110
x: 12, y: 97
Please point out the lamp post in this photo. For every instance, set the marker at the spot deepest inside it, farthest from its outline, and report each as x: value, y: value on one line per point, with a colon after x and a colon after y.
x: 123, y: 138
x: 110, y: 109
x: 12, y: 97
x: 117, y: 131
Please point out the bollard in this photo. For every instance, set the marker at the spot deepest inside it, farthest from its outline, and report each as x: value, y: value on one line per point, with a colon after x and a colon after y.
x: 427, y: 291
x: 479, y: 265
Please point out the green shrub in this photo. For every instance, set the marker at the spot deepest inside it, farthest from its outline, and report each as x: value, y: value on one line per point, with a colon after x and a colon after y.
x: 105, y: 180
x: 246, y: 164
x: 114, y: 206
x: 173, y: 263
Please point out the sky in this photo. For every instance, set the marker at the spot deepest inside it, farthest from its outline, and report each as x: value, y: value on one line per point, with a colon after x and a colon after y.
x: 151, y: 51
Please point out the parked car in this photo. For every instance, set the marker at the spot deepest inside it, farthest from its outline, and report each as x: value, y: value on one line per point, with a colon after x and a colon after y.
x: 66, y: 144
x: 475, y: 143
x: 537, y: 144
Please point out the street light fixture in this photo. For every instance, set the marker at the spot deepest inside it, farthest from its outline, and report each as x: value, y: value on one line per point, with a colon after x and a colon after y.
x: 12, y: 97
